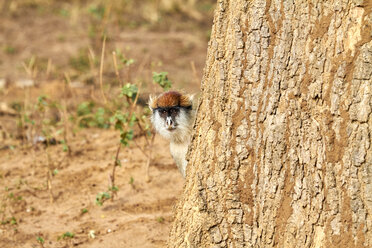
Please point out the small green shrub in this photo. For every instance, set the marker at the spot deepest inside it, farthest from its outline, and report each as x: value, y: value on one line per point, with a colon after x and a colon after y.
x: 161, y: 79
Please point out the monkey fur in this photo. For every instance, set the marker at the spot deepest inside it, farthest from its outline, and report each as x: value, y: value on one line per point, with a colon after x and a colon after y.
x: 173, y: 117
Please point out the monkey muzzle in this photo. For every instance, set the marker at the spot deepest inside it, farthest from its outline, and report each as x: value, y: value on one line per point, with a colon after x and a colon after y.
x: 169, y: 123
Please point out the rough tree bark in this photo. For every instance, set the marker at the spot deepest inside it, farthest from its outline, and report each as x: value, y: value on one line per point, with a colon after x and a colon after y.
x: 281, y: 154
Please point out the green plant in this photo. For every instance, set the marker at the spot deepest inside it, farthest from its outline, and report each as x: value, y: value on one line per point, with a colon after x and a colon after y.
x: 40, y: 240
x: 102, y: 197
x: 13, y: 221
x: 124, y: 64
x: 43, y: 130
x: 124, y: 60
x: 89, y: 116
x: 101, y: 118
x: 114, y: 189
x: 85, y: 108
x: 129, y: 90
x: 120, y: 121
x: 66, y: 235
x: 8, y: 202
x: 161, y: 79
x: 124, y: 122
x: 160, y: 219
x: 44, y: 124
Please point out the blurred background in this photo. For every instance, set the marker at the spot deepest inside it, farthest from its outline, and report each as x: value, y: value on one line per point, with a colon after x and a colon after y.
x: 79, y: 162
x: 45, y: 39
x: 93, y: 48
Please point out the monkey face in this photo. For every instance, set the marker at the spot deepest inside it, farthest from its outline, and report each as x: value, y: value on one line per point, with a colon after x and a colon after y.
x: 172, y: 115
x: 169, y: 116
x: 171, y: 122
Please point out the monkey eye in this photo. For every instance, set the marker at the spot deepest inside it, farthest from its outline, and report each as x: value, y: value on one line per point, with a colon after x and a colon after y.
x: 174, y: 110
x: 163, y: 112
x: 168, y: 111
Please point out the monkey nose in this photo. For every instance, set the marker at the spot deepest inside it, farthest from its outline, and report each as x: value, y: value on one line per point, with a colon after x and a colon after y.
x: 169, y: 122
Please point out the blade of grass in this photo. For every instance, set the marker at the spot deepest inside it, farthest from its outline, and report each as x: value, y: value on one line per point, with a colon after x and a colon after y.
x: 101, y: 70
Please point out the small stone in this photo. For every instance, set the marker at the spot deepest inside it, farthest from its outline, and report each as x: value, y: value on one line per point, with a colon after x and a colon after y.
x: 92, y: 234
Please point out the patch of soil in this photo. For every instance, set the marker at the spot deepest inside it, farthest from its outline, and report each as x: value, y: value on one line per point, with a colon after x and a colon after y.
x: 139, y: 216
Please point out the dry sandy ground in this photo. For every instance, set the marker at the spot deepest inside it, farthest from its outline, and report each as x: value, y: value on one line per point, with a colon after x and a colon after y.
x: 139, y: 216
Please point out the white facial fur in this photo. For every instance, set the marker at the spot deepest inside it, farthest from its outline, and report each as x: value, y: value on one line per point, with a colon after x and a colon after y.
x: 182, y: 126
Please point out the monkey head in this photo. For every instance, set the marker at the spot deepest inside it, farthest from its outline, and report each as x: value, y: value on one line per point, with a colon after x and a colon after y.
x: 172, y: 115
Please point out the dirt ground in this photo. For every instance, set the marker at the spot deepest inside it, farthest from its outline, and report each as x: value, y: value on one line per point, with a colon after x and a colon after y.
x: 139, y: 216
x: 142, y: 211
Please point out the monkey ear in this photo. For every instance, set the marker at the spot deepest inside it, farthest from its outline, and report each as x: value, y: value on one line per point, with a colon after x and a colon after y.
x: 191, y: 98
x: 151, y: 102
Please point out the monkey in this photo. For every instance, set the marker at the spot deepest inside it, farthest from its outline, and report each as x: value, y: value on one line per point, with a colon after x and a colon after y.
x: 172, y: 117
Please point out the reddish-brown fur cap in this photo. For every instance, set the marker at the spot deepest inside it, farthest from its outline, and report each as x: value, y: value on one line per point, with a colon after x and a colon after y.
x: 171, y: 99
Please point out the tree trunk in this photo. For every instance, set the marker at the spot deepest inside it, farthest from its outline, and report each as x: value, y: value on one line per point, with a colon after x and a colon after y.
x: 281, y: 155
